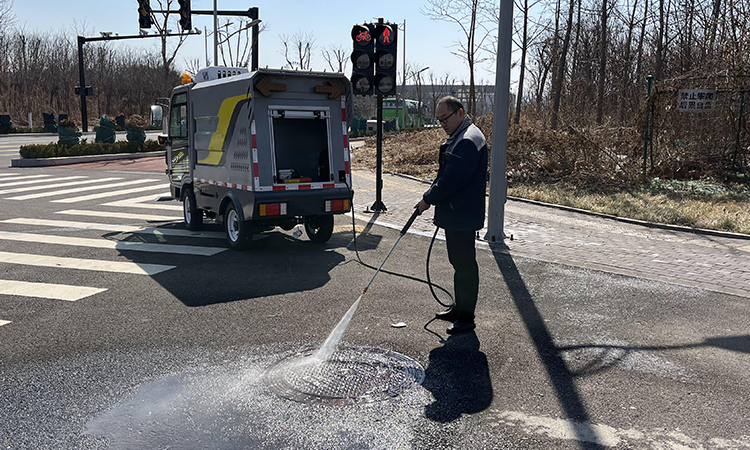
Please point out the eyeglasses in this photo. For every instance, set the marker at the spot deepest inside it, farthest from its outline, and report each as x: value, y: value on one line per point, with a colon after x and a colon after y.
x: 444, y: 120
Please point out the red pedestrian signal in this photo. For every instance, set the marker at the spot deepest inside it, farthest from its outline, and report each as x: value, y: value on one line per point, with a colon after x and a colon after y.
x: 385, y: 58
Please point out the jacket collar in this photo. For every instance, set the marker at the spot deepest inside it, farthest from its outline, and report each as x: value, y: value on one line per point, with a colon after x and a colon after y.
x: 461, y: 128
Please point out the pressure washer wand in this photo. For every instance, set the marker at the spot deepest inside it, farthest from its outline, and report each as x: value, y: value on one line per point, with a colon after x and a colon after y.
x: 332, y: 342
x: 403, y: 232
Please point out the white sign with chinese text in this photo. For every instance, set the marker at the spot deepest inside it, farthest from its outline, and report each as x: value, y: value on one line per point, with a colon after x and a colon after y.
x: 696, y: 100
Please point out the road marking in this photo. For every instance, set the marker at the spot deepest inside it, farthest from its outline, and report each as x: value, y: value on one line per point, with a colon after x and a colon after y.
x: 120, y: 228
x: 58, y: 185
x: 22, y: 183
x: 84, y: 198
x: 77, y: 190
x: 110, y: 244
x: 607, y: 436
x: 138, y: 202
x: 4, y: 322
x: 47, y: 290
x: 19, y: 178
x: 121, y: 215
x: 83, y: 264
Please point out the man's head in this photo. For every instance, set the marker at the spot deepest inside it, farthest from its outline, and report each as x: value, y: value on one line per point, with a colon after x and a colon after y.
x: 450, y: 114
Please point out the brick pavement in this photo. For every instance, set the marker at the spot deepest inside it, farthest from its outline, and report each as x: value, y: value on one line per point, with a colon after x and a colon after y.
x: 713, y: 262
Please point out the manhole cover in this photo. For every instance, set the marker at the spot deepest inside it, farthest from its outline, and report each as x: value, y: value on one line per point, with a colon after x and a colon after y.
x: 351, y: 375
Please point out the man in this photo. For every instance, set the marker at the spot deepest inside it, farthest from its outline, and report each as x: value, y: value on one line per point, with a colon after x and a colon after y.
x: 458, y: 194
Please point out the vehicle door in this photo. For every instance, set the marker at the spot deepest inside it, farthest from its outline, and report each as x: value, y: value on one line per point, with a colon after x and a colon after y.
x: 178, y: 152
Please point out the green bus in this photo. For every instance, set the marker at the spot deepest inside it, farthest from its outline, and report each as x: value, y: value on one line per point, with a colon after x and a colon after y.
x: 412, y: 117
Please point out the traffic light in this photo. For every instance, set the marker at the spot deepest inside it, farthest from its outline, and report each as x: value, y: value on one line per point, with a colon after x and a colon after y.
x: 186, y: 22
x: 362, y: 59
x: 386, y: 35
x: 144, y: 14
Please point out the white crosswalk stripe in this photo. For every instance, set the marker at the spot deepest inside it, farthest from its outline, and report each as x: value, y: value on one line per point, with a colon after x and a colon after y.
x: 83, y: 264
x: 47, y: 290
x: 57, y: 185
x: 62, y: 232
x: 80, y: 189
x: 139, y: 202
x: 120, y: 228
x: 121, y: 215
x: 84, y: 198
x: 106, y: 243
x: 21, y: 178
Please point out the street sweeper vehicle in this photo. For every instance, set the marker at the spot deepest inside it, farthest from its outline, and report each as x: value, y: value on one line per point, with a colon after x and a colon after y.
x: 263, y: 149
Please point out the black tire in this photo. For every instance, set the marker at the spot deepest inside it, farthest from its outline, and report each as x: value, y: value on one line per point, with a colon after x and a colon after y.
x: 319, y: 228
x: 239, y: 234
x: 190, y: 212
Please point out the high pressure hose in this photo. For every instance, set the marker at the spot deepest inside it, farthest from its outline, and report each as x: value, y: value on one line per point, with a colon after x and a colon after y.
x: 409, y: 277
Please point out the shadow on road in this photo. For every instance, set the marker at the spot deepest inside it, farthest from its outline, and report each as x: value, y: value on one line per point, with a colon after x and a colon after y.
x: 550, y: 355
x: 276, y: 264
x: 459, y: 378
x: 608, y: 356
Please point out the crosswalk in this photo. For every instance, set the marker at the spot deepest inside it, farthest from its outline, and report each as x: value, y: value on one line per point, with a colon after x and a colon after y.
x: 117, y: 206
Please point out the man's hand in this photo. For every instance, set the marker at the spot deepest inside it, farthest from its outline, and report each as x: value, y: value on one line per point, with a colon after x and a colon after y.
x: 422, y: 206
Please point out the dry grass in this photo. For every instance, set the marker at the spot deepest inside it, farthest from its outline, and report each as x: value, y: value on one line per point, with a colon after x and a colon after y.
x: 560, y: 168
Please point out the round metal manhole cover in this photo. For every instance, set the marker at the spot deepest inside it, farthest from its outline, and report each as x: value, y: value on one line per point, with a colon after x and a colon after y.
x: 350, y: 375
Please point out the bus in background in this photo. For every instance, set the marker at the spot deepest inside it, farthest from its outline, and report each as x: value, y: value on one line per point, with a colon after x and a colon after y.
x: 411, y: 117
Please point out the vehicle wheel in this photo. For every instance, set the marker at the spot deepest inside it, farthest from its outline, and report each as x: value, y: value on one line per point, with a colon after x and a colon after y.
x: 319, y: 228
x: 239, y: 233
x: 193, y: 216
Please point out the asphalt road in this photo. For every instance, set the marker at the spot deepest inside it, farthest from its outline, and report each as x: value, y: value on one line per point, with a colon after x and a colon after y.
x: 562, y: 358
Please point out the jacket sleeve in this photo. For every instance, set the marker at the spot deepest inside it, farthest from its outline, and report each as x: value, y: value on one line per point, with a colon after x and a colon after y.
x: 462, y: 163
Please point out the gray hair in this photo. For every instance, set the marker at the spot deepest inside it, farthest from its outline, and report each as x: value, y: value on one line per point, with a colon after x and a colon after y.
x: 452, y: 103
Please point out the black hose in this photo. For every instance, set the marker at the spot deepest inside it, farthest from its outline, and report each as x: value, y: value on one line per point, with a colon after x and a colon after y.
x: 409, y: 277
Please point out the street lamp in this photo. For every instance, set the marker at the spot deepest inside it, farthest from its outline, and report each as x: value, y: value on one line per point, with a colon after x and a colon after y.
x: 419, y: 94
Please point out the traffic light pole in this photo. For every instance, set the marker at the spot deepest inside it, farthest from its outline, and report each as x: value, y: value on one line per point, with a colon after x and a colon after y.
x: 82, y: 78
x: 379, y: 206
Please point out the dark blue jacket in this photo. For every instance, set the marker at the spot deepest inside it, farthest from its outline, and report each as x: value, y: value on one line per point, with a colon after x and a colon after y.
x: 459, y: 190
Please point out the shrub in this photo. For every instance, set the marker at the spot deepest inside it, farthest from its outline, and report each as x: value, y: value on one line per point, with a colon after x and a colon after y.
x: 98, y: 148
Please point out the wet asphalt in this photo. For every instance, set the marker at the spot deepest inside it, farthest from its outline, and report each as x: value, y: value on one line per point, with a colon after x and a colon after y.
x: 564, y: 356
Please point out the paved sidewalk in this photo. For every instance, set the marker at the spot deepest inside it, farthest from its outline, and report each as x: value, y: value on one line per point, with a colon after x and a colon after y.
x: 716, y: 263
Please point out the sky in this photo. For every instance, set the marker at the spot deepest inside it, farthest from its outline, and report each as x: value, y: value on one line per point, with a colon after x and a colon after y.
x: 428, y: 43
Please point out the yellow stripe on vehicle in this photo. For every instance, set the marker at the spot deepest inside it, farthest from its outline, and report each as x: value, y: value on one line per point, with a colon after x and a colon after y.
x: 216, y: 146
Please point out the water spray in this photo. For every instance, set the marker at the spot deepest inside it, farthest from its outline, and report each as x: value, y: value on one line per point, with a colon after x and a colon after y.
x: 330, y: 345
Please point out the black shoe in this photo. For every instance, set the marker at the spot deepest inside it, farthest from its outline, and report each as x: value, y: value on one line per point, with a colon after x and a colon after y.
x: 447, y: 315
x: 460, y: 327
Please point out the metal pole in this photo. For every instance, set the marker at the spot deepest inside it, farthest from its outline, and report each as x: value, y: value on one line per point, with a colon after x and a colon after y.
x: 82, y: 83
x: 403, y: 84
x: 256, y: 32
x: 205, y: 43
x: 498, y: 168
x: 216, y: 34
x: 378, y: 205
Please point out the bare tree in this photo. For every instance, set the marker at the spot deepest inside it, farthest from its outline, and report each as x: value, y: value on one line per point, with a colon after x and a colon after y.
x: 298, y: 49
x: 473, y: 17
x: 560, y: 77
x: 524, y: 45
x: 166, y: 23
x: 6, y: 15
x: 602, y: 66
x: 336, y: 57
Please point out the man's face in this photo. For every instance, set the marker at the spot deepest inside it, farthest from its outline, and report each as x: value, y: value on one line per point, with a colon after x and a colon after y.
x: 449, y: 120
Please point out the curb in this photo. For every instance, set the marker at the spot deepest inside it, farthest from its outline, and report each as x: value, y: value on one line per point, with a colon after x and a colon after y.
x: 64, y: 160
x: 663, y: 226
